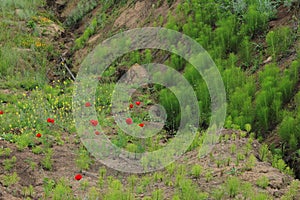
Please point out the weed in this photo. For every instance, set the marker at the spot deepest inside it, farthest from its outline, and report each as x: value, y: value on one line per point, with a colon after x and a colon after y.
x: 263, y: 182
x: 10, y: 179
x: 47, y: 161
x: 196, y: 171
x: 9, y: 163
x: 232, y: 186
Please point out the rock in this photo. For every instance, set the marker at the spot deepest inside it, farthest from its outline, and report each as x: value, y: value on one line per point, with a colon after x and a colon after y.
x: 269, y: 59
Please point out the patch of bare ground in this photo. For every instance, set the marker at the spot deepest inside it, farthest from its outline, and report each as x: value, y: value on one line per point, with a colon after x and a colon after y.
x: 64, y: 157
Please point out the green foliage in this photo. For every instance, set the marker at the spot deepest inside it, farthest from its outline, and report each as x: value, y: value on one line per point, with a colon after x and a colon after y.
x: 83, y: 7
x: 169, y: 101
x: 287, y: 128
x: 246, y: 51
x: 255, y: 20
x: 83, y: 159
x: 47, y: 160
x: 263, y: 152
x: 226, y: 38
x: 28, y: 191
x: 89, y: 31
x: 62, y: 191
x: 279, y: 41
x: 5, y: 152
x: 232, y: 186
x: 196, y: 171
x: 10, y: 179
x: 9, y: 163
x: 293, y: 191
x: 263, y: 182
x: 275, y: 90
x: 279, y: 163
x: 187, y: 190
x: 218, y: 193
x: 157, y: 195
x: 250, y: 163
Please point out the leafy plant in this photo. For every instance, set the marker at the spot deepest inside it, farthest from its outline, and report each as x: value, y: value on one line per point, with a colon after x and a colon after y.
x: 263, y: 152
x: 196, y: 171
x: 250, y: 163
x: 263, y: 182
x: 10, y: 179
x: 9, y: 163
x: 279, y: 41
x: 47, y: 161
x: 232, y: 186
x: 62, y: 190
x: 83, y: 159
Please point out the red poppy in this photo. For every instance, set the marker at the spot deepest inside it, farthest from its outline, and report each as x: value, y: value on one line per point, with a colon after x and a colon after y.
x: 131, y: 105
x: 78, y: 177
x: 141, y: 125
x: 1, y: 112
x: 94, y: 122
x: 38, y: 135
x: 49, y: 120
x: 129, y: 121
x: 97, y: 133
x: 88, y: 104
x: 138, y: 103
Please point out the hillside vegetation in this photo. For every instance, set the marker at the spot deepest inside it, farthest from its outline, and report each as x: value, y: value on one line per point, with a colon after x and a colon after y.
x: 255, y: 46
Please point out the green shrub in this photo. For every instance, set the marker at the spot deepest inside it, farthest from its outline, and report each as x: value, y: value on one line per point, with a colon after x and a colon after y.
x: 196, y: 171
x: 83, y: 7
x: 47, y: 160
x: 187, y: 190
x: 263, y: 152
x: 287, y: 128
x: 255, y: 21
x: 62, y: 190
x: 261, y: 196
x: 250, y: 163
x: 293, y: 191
x: 263, y: 182
x: 10, y: 179
x: 169, y: 101
x: 225, y: 35
x: 232, y: 186
x: 158, y: 194
x: 279, y: 41
x: 83, y: 160
x: 245, y: 51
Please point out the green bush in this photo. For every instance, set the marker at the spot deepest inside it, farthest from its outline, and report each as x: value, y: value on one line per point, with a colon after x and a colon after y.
x: 263, y: 182
x: 83, y: 7
x: 232, y: 186
x: 169, y: 101
x: 246, y: 51
x: 264, y: 152
x: 225, y: 35
x: 256, y: 21
x: 279, y: 41
x: 62, y: 191
x: 287, y: 128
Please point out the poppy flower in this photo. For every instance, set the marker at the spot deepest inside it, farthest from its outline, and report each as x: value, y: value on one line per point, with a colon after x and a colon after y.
x: 1, y: 112
x: 141, y: 125
x: 38, y: 135
x: 49, y: 120
x: 131, y: 105
x: 94, y: 122
x: 88, y: 104
x: 129, y: 121
x: 97, y: 133
x: 78, y: 177
x: 138, y: 103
